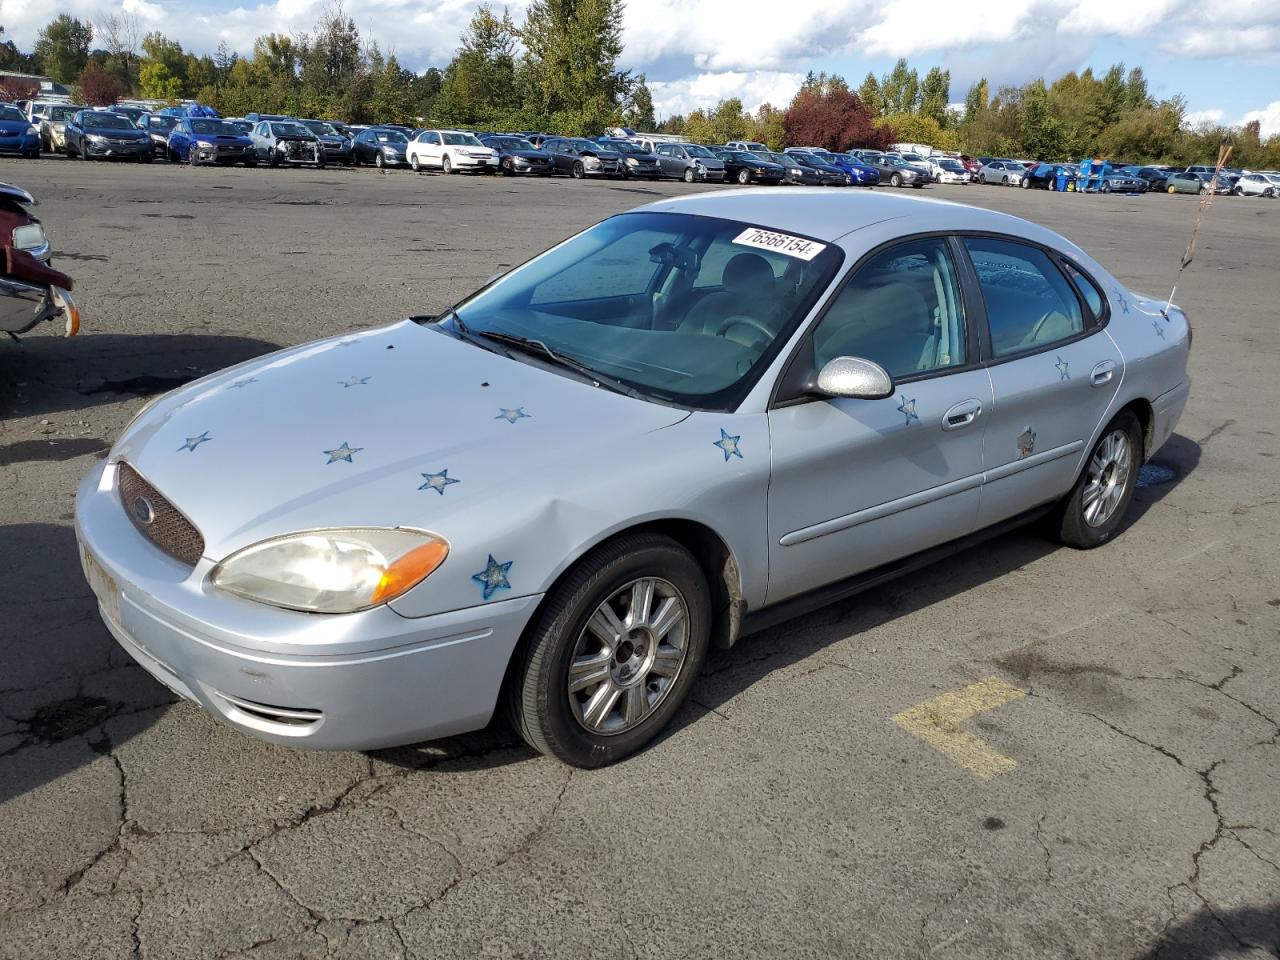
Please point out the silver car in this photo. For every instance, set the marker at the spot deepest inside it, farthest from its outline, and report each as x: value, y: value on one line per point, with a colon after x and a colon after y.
x: 681, y: 424
x: 1008, y: 173
x: 690, y: 162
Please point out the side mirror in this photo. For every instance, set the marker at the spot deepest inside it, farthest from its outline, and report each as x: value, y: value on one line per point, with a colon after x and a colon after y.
x: 854, y: 378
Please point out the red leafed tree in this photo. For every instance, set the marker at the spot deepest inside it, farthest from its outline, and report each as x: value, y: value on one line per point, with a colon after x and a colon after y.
x: 97, y: 87
x: 12, y: 89
x: 833, y: 118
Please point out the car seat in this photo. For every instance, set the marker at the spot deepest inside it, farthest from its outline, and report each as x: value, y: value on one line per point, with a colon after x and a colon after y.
x: 749, y: 290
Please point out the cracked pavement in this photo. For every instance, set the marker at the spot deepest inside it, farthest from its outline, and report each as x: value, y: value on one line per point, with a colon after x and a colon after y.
x: 784, y: 814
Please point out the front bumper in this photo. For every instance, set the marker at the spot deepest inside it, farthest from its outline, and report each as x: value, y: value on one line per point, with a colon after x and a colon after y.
x: 25, y: 305
x: 221, y: 154
x: 525, y: 165
x: 25, y: 144
x: 473, y: 163
x: 357, y: 681
x: 112, y: 150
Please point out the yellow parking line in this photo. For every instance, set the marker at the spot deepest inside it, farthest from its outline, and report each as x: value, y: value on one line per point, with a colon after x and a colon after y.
x: 937, y: 723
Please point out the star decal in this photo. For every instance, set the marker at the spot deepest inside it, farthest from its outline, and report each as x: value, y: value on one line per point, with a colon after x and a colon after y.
x: 437, y: 481
x: 728, y: 445
x: 242, y: 383
x: 1124, y: 304
x: 354, y: 382
x: 493, y: 577
x: 193, y: 442
x: 343, y: 452
x: 1026, y: 443
x: 908, y: 409
x: 1064, y: 369
x: 1155, y: 325
x: 511, y: 415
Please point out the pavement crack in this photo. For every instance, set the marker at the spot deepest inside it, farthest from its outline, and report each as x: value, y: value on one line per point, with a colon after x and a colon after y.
x: 1214, y: 432
x: 1048, y: 856
x: 316, y: 916
x: 1210, y: 795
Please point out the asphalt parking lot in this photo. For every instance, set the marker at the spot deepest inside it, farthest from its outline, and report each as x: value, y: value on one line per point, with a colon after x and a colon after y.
x: 832, y: 789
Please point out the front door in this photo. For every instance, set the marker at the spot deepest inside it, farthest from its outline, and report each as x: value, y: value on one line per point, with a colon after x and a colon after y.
x: 858, y: 483
x: 1054, y: 373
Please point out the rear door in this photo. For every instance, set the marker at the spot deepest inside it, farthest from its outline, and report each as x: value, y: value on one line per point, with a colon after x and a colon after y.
x: 858, y: 483
x: 1054, y: 371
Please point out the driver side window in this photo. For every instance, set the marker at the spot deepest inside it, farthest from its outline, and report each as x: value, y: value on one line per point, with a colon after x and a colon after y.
x: 902, y: 309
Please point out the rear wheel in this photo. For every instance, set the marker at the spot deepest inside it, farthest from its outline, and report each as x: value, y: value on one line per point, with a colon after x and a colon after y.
x: 1093, y: 511
x: 1171, y: 189
x: 744, y: 176
x: 380, y: 162
x: 613, y: 653
x: 689, y: 175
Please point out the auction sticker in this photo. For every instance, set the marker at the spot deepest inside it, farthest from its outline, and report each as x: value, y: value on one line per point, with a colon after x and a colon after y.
x: 797, y: 247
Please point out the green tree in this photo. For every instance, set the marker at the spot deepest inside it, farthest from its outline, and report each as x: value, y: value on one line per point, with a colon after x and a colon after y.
x: 639, y: 112
x: 391, y: 100
x: 425, y: 89
x: 975, y: 101
x: 1041, y: 134
x: 1136, y: 96
x: 570, y: 67
x: 921, y: 128
x: 480, y: 83
x: 729, y: 121
x: 870, y: 94
x: 157, y: 49
x: 157, y: 83
x: 332, y: 68
x: 62, y: 47
x: 769, y: 127
x: 900, y: 88
x: 935, y: 93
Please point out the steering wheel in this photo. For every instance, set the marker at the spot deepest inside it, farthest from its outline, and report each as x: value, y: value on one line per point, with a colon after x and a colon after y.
x: 745, y: 321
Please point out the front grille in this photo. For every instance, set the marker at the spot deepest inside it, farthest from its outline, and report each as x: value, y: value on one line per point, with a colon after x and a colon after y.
x: 168, y: 529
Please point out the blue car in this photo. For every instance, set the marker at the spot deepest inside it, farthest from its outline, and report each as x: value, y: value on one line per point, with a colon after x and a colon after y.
x: 17, y: 135
x: 198, y: 140
x: 863, y: 174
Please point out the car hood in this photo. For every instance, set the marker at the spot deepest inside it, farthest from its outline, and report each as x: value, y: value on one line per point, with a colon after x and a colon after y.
x: 340, y: 432
x: 116, y: 133
x: 14, y: 126
x: 529, y: 154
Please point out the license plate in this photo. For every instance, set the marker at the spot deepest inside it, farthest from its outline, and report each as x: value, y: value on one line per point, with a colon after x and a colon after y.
x: 103, y: 585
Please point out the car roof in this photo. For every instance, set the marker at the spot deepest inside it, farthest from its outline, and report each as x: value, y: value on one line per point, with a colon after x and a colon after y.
x: 817, y: 213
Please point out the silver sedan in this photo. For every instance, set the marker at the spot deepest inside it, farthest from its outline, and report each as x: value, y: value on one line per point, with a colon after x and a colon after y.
x: 686, y: 422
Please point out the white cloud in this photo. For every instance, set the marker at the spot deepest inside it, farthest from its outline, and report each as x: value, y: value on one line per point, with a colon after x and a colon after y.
x: 1203, y: 118
x: 1268, y: 118
x: 906, y: 29
x: 1094, y: 17
x: 707, y: 89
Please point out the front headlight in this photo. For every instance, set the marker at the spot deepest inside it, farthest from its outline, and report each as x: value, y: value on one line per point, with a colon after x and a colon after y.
x: 204, y: 143
x: 33, y: 131
x: 332, y: 571
x: 94, y: 138
x: 30, y: 236
x: 632, y: 162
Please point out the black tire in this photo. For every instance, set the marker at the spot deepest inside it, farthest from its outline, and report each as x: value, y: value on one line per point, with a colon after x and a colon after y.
x: 536, y: 688
x: 507, y: 169
x: 1068, y: 522
x: 1171, y: 189
x: 379, y: 162
x: 355, y: 158
x: 250, y: 162
x: 579, y: 171
x: 274, y: 159
x: 1105, y: 188
x: 744, y: 177
x: 1026, y: 183
x: 446, y: 165
x: 690, y: 176
x: 1004, y: 181
x: 896, y: 180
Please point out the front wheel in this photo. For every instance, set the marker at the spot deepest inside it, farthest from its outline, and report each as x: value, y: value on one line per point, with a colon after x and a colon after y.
x: 1171, y: 190
x: 689, y: 175
x: 446, y: 165
x: 896, y: 180
x: 1093, y: 511
x: 744, y: 177
x: 579, y: 171
x: 613, y: 653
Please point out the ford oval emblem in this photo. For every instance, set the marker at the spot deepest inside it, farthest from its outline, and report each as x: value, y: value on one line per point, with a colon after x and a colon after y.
x: 144, y: 511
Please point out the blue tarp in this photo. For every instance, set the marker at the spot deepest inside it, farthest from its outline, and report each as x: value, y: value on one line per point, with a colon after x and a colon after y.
x: 190, y: 110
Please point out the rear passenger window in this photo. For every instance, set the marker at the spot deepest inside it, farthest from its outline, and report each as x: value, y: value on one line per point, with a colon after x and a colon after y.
x: 1029, y: 302
x: 1088, y: 289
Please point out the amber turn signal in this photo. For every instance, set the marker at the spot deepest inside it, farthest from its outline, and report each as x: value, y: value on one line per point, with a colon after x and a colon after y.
x: 409, y: 570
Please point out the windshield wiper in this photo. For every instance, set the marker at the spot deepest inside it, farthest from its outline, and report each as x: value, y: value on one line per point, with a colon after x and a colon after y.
x: 537, y: 347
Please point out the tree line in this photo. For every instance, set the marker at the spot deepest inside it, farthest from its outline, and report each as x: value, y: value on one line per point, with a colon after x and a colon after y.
x: 557, y: 70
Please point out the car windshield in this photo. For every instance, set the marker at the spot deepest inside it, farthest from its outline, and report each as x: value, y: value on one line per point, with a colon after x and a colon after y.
x: 319, y: 128
x: 12, y: 113
x: 744, y: 156
x: 822, y: 156
x: 624, y: 146
x: 682, y: 308
x: 584, y: 144
x: 694, y: 150
x: 955, y: 166
x: 162, y: 123
x: 108, y: 121
x: 62, y: 113
x: 461, y: 140
x: 216, y: 128
x: 290, y: 130
x: 391, y: 136
x: 1013, y: 165
x: 514, y: 143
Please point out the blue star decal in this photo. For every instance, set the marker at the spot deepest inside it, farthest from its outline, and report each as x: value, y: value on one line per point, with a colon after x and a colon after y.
x: 493, y: 577
x: 193, y: 442
x: 1124, y: 304
x: 1155, y: 325
x: 511, y: 415
x: 437, y: 481
x: 908, y: 409
x: 354, y: 382
x: 728, y: 445
x: 343, y: 452
x: 1064, y: 369
x: 242, y: 383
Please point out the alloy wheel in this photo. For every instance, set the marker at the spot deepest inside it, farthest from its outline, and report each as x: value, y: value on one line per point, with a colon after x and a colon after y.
x: 628, y: 656
x: 1108, y: 477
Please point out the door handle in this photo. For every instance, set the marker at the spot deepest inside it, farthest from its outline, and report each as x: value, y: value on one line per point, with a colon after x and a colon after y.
x: 961, y: 415
x: 1103, y: 373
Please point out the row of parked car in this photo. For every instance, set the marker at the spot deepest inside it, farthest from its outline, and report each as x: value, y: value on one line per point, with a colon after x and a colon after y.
x: 1130, y: 178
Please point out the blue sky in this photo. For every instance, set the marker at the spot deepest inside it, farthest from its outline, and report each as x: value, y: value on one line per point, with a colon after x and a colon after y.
x: 695, y: 53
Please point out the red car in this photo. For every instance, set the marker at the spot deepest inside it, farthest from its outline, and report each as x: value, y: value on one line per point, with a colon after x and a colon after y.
x: 971, y: 165
x: 30, y: 290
